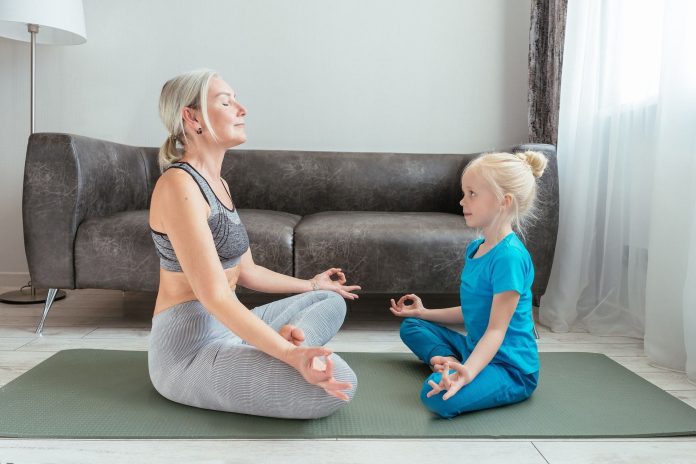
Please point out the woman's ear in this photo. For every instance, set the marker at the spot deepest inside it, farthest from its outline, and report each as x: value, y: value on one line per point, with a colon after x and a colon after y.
x: 190, y: 118
x: 507, y: 200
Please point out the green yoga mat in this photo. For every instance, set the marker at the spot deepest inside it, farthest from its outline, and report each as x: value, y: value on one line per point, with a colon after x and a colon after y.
x: 108, y: 394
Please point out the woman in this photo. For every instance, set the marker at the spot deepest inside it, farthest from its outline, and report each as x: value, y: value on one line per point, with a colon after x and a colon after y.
x: 206, y: 348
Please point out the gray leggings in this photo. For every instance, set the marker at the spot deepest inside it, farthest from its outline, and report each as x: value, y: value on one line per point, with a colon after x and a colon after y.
x: 195, y: 360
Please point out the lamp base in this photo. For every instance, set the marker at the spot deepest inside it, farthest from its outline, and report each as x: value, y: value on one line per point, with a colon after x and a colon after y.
x: 32, y: 295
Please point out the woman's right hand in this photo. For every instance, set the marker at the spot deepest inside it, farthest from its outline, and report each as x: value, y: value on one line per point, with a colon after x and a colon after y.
x: 401, y: 309
x: 306, y: 360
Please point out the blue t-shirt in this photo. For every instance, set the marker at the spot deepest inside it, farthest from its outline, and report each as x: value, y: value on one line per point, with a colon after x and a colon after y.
x: 507, y: 266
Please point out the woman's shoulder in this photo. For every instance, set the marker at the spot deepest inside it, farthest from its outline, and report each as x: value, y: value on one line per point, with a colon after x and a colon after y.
x: 175, y: 186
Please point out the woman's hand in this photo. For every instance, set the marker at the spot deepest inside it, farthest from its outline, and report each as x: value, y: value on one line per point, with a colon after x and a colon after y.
x: 401, y: 309
x: 293, y: 334
x: 452, y: 382
x: 307, y: 361
x: 325, y: 281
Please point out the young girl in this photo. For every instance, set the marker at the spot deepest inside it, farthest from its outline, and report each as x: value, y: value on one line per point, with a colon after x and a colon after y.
x: 496, y: 362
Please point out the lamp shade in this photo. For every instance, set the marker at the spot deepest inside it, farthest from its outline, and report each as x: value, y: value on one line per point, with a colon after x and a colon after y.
x: 61, y: 22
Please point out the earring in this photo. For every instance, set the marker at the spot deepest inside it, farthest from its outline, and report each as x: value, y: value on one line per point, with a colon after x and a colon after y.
x: 199, y: 131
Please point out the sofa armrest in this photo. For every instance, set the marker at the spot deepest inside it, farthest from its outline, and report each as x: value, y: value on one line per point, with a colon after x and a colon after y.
x: 68, y: 179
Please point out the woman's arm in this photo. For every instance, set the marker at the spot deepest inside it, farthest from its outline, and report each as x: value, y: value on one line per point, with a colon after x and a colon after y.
x: 416, y: 309
x: 187, y: 227
x: 259, y: 278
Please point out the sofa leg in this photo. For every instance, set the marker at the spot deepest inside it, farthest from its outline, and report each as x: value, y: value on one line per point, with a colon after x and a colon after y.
x: 49, y: 301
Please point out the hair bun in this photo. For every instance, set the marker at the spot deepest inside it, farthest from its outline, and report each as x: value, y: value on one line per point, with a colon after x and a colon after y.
x: 536, y: 160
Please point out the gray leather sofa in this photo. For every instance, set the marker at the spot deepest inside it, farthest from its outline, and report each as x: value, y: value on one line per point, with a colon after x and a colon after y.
x: 392, y: 221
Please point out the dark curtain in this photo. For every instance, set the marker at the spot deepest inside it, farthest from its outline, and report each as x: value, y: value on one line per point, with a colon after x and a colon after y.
x: 546, y: 35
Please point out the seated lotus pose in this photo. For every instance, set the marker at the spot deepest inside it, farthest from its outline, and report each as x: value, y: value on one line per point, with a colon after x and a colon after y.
x: 206, y: 349
x: 496, y: 362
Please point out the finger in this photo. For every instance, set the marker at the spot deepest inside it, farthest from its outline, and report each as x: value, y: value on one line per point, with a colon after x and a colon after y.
x: 346, y: 295
x: 351, y: 288
x: 314, y: 351
x: 401, y: 300
x: 435, y: 389
x: 333, y: 384
x: 341, y: 278
x: 452, y: 391
x: 338, y: 394
x: 329, y: 366
x: 397, y: 313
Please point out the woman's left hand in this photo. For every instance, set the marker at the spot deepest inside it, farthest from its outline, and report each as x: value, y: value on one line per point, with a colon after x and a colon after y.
x: 324, y: 281
x: 452, y: 382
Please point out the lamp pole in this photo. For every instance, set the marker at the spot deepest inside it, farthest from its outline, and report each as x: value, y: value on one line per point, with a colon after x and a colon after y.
x: 33, y: 30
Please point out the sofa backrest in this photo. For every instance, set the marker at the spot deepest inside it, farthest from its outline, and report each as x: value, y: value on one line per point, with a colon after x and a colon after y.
x: 306, y: 182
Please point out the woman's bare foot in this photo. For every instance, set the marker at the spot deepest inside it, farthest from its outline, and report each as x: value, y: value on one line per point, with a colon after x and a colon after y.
x: 293, y: 334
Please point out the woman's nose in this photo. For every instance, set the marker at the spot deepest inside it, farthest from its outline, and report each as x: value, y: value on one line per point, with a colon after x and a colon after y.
x: 242, y: 110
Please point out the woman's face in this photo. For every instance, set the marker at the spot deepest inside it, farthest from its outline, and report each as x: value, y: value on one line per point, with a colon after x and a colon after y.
x: 225, y: 113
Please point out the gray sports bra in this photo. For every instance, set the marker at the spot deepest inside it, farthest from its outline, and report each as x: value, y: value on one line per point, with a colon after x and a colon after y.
x: 229, y: 234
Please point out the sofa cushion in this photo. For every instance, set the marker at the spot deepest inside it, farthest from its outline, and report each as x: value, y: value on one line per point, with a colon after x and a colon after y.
x: 117, y: 251
x: 385, y: 251
x: 271, y: 237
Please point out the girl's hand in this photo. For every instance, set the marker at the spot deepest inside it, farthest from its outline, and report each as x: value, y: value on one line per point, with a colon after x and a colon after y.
x: 452, y: 382
x: 325, y: 281
x: 307, y: 361
x: 293, y: 334
x: 401, y: 309
x: 437, y: 363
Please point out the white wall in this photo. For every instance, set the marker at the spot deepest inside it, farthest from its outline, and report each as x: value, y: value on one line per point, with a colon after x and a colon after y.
x: 356, y: 75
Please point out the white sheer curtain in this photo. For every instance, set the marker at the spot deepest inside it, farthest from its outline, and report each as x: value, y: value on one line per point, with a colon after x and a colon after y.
x: 625, y: 260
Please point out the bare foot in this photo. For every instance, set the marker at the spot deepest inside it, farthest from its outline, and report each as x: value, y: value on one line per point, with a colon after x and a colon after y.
x: 293, y: 334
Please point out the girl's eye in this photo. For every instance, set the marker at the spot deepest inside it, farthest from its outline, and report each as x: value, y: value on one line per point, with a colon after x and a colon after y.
x: 225, y: 104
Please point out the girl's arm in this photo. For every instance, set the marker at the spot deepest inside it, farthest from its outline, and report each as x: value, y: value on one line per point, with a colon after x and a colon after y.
x: 261, y: 279
x: 416, y: 309
x: 503, y: 308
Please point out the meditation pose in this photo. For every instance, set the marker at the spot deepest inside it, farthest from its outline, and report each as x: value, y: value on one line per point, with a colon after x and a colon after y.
x: 496, y: 362
x: 206, y: 349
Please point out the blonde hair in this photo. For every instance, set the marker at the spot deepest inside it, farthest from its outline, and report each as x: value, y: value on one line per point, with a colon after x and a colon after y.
x: 186, y: 90
x: 514, y: 174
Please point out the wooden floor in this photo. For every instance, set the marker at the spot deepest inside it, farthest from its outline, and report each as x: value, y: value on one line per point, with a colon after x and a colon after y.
x: 114, y: 320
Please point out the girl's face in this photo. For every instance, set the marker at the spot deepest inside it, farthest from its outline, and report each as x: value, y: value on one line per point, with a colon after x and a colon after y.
x: 225, y: 113
x: 479, y: 203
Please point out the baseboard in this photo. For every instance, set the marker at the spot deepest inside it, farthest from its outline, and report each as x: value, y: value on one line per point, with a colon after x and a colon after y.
x: 13, y: 279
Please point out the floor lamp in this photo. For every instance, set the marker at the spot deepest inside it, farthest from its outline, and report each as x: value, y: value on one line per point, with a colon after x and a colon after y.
x: 50, y: 22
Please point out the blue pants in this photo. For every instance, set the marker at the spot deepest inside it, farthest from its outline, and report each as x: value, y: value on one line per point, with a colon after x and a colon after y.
x: 496, y: 385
